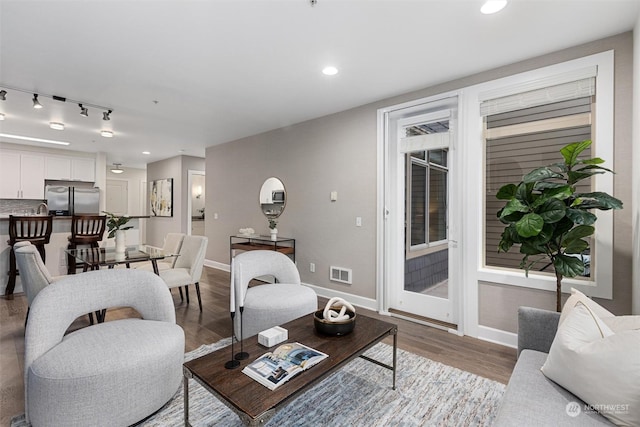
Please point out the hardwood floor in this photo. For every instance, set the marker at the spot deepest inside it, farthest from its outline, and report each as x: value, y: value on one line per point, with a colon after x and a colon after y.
x: 212, y: 324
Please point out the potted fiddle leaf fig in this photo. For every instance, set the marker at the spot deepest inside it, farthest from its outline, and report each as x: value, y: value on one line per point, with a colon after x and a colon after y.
x: 549, y: 219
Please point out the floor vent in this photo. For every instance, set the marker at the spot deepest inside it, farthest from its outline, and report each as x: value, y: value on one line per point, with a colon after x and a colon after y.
x: 339, y: 274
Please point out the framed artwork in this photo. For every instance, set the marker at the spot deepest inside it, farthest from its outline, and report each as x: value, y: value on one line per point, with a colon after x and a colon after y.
x: 161, y: 197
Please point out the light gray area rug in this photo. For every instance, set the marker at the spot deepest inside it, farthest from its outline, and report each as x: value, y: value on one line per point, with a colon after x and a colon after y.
x: 427, y: 393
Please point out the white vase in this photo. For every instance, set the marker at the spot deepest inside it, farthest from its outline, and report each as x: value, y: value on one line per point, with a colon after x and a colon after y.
x: 274, y: 234
x: 120, y: 241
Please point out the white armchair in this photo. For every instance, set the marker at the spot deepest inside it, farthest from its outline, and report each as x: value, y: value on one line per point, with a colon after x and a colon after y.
x: 267, y: 305
x: 188, y: 266
x: 110, y: 374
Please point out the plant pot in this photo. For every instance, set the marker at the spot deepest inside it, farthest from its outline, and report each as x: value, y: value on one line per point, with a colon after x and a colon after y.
x: 120, y: 241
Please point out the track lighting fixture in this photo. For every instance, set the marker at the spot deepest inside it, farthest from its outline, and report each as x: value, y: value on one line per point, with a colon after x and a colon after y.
x: 3, y: 95
x: 116, y: 168
x: 36, y: 103
x: 105, y: 115
x: 83, y: 111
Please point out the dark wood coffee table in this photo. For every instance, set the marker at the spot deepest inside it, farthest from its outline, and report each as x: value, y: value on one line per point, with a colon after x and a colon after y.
x: 254, y: 403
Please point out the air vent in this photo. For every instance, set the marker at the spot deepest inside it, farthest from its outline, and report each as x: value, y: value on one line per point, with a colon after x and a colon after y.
x: 339, y: 274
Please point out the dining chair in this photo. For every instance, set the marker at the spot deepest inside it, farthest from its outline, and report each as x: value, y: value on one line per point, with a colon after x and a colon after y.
x: 86, y: 230
x: 188, y: 266
x: 34, y: 229
x: 172, y: 244
x: 271, y: 304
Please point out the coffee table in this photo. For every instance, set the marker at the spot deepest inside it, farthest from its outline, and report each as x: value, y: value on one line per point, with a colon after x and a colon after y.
x: 254, y: 403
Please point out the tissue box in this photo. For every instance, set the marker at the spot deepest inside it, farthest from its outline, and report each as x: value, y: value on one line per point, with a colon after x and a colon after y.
x: 273, y: 336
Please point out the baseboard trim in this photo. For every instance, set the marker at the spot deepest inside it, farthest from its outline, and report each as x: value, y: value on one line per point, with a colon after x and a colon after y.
x: 497, y: 336
x: 217, y: 265
x: 356, y: 300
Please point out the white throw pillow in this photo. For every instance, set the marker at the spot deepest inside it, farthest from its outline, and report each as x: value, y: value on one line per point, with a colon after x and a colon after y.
x: 598, y: 366
x: 622, y: 323
x: 577, y: 296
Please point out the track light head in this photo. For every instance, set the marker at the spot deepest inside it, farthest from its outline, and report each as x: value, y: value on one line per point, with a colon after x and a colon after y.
x: 83, y: 111
x: 36, y: 103
x: 105, y: 115
x: 3, y: 95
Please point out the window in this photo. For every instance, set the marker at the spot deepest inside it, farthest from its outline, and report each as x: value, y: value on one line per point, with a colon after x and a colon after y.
x: 519, y: 141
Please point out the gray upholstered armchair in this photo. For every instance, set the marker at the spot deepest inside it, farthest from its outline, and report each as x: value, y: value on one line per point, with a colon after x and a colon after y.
x: 110, y: 374
x: 267, y: 305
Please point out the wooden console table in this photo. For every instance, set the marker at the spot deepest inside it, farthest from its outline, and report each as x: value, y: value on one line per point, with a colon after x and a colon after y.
x: 284, y: 245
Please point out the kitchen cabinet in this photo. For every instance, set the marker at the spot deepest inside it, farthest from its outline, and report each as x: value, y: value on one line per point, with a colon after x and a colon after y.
x: 70, y: 168
x: 21, y: 175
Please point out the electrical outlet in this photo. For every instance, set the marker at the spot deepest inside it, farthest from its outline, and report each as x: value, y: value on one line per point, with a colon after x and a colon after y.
x: 358, y: 221
x: 312, y: 267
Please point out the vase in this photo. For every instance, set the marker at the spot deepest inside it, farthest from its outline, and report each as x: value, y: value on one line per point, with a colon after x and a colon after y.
x: 274, y: 234
x: 120, y: 241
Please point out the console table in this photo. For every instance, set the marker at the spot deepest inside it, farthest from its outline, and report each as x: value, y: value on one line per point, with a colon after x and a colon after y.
x: 284, y: 245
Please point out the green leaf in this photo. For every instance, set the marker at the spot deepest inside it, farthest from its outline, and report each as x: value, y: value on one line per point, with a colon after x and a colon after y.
x: 523, y: 192
x: 543, y: 185
x: 578, y: 233
x: 552, y: 211
x: 513, y: 205
x: 532, y: 249
x: 568, y: 266
x: 530, y: 225
x: 594, y: 167
x: 581, y: 217
x: 593, y: 161
x: 561, y: 193
x: 571, y: 152
x: 597, y: 200
x: 579, y: 176
x: 577, y: 247
x: 540, y: 174
x: 561, y: 227
x: 506, y: 192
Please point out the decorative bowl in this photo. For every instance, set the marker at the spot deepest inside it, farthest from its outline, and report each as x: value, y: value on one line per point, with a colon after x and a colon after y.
x: 334, y: 328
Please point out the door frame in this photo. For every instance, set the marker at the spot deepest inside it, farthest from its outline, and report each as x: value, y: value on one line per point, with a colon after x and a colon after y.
x: 191, y: 173
x: 385, y: 232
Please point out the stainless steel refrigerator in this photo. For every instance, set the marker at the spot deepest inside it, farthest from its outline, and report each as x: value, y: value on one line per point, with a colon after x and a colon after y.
x: 64, y: 200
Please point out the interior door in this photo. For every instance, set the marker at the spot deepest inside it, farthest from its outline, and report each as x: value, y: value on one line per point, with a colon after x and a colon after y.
x: 422, y: 251
x: 117, y: 196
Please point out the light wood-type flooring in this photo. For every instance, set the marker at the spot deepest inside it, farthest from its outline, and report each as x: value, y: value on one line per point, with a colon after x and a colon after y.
x: 213, y: 323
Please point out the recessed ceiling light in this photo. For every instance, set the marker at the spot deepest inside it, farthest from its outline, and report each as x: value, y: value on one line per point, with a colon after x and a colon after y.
x: 28, y: 138
x: 493, y: 6
x: 330, y: 71
x: 1, y: 116
x: 106, y: 133
x: 56, y: 126
x: 146, y: 152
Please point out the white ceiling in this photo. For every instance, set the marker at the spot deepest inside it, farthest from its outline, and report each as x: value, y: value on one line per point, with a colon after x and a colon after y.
x: 222, y: 70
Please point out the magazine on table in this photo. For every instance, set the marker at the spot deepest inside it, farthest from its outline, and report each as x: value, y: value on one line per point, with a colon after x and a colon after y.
x: 286, y: 361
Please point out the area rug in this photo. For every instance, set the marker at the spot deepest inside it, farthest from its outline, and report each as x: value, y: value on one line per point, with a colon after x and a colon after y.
x: 427, y: 393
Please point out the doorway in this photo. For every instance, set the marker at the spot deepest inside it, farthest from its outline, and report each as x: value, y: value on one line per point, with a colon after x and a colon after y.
x: 420, y: 248
x: 196, y: 205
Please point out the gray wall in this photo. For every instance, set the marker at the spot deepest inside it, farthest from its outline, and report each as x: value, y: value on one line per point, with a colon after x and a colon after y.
x: 178, y: 169
x: 338, y: 152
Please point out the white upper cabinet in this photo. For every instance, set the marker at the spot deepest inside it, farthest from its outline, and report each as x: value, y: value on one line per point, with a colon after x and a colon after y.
x: 83, y: 169
x: 21, y: 175
x: 70, y: 168
x: 58, y: 168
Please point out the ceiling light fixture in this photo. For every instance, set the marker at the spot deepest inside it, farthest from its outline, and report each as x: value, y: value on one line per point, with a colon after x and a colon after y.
x: 105, y: 115
x: 36, y: 103
x: 56, y: 125
x: 106, y: 133
x: 146, y: 152
x: 330, y: 71
x: 116, y: 168
x: 3, y: 95
x: 28, y: 138
x: 493, y: 6
x: 1, y: 116
x: 83, y: 111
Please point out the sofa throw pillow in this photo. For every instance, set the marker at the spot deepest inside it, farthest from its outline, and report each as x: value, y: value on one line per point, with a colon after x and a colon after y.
x: 600, y: 367
x: 577, y: 296
x: 622, y: 323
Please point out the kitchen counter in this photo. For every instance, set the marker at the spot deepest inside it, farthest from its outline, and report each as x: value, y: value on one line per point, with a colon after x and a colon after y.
x: 5, y: 217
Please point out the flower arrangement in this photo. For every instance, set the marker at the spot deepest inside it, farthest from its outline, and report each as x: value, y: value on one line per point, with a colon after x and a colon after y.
x: 273, y: 223
x: 116, y: 223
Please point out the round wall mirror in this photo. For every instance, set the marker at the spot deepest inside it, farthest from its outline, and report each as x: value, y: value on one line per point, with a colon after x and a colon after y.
x: 273, y: 198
